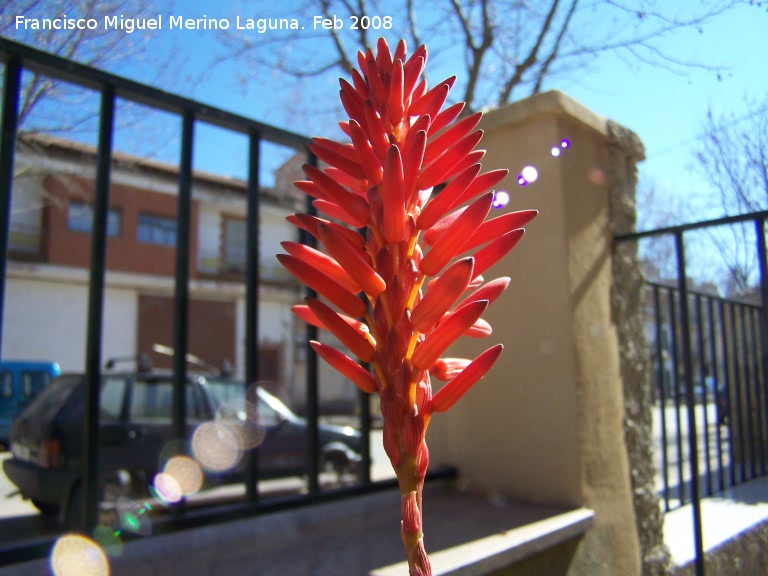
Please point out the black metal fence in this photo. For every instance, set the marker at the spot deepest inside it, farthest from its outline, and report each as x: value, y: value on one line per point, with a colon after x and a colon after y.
x: 16, y: 58
x: 708, y: 356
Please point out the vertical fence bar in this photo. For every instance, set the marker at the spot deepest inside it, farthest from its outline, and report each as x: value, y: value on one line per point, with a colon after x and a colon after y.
x: 750, y: 440
x: 673, y: 343
x: 762, y: 255
x: 682, y: 283
x: 729, y: 390
x: 719, y: 416
x: 701, y: 349
x: 10, y: 119
x: 756, y: 387
x: 364, y: 400
x: 737, y: 425
x: 252, y: 283
x: 96, y: 311
x: 313, y: 441
x: 662, y: 395
x: 181, y: 293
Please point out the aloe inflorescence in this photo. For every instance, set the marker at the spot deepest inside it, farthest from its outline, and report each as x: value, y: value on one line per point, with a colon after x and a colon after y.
x: 418, y: 261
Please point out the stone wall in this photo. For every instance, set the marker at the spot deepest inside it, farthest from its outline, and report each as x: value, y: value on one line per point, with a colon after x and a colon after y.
x: 625, y: 150
x: 548, y: 423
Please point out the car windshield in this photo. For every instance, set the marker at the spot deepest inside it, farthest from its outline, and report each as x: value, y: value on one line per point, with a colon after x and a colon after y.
x: 225, y: 390
x: 231, y: 392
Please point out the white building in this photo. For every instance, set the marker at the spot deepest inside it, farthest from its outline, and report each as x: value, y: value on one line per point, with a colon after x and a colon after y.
x: 49, y: 258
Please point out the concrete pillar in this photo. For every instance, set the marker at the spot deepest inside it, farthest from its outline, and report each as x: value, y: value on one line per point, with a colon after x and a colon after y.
x: 547, y: 424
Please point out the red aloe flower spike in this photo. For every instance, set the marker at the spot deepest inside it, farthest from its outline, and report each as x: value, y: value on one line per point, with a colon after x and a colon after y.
x: 445, y: 117
x: 323, y: 262
x: 450, y: 243
x: 335, y: 211
x: 344, y: 127
x: 357, y: 186
x: 334, y: 292
x: 403, y: 145
x: 470, y: 159
x: 352, y: 101
x: 355, y: 206
x: 412, y: 163
x: 348, y: 367
x: 446, y: 139
x: 442, y: 294
x: 441, y: 169
x: 303, y: 312
x: 365, y: 154
x: 396, y: 92
x: 489, y: 291
x: 443, y: 202
x: 360, y: 84
x: 431, y: 102
x: 480, y: 329
x: 400, y: 51
x: 354, y: 339
x: 310, y: 189
x: 377, y: 91
x: 393, y: 198
x: 492, y: 229
x: 420, y: 52
x: 411, y: 75
x: 446, y: 333
x: 351, y: 260
x: 449, y: 394
x: 411, y: 517
x: 422, y: 123
x: 447, y: 368
x: 342, y: 157
x: 361, y: 60
x: 481, y: 184
x: 312, y: 225
x: 383, y: 58
x: 491, y: 253
x: 418, y: 92
x: 376, y: 131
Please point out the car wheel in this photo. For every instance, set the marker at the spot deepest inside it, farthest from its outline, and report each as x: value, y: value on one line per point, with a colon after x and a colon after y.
x: 47, y: 508
x: 336, y: 464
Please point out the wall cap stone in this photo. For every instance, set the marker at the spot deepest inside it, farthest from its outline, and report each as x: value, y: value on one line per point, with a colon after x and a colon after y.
x: 549, y: 103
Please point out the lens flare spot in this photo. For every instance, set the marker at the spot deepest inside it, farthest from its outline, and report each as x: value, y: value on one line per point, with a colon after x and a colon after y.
x: 132, y: 516
x: 530, y: 174
x: 185, y: 472
x: 521, y: 180
x: 243, y: 419
x: 214, y: 445
x: 74, y: 555
x: 166, y: 488
x: 565, y: 143
x: 597, y: 176
x: 109, y: 540
x: 500, y: 199
x: 555, y: 151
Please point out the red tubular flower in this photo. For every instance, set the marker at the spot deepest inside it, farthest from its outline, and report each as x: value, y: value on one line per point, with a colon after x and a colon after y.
x: 415, y: 261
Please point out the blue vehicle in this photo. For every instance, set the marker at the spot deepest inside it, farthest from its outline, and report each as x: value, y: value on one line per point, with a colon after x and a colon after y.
x: 20, y: 382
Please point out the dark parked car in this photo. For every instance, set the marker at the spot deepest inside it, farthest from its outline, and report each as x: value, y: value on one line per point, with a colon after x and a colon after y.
x: 136, y: 432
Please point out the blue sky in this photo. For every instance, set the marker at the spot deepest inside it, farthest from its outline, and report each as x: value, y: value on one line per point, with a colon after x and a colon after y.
x: 664, y: 108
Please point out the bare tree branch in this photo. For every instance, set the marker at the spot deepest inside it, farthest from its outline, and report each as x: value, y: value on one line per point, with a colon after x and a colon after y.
x: 553, y: 53
x: 530, y: 60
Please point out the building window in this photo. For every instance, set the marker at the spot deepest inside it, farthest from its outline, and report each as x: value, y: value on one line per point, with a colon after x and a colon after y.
x: 234, y: 245
x: 156, y: 230
x: 80, y: 219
